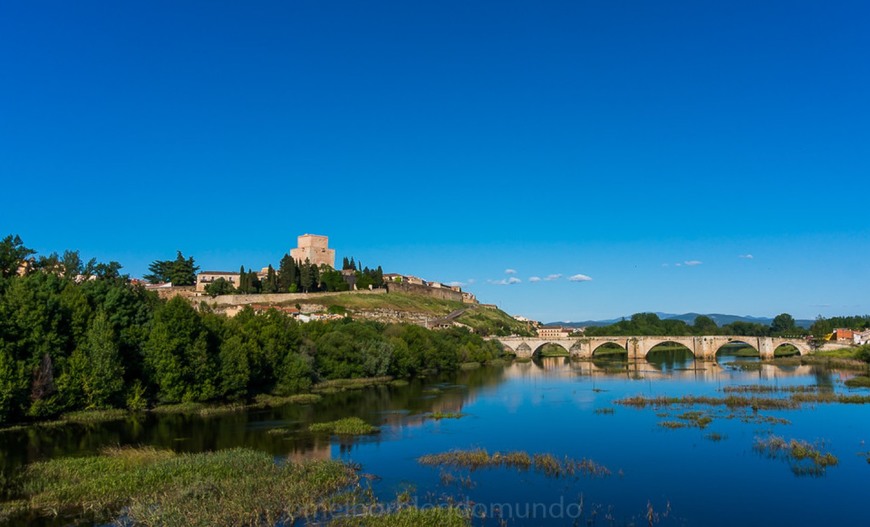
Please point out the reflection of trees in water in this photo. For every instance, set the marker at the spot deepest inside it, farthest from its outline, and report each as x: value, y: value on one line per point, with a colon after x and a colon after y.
x: 669, y: 356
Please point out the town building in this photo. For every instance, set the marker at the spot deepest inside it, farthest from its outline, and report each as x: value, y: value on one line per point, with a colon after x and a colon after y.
x: 554, y: 332
x: 861, y: 337
x: 315, y: 249
x: 206, y: 277
x: 843, y: 334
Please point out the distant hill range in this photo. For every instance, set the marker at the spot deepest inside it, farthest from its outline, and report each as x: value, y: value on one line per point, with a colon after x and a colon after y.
x: 688, y: 318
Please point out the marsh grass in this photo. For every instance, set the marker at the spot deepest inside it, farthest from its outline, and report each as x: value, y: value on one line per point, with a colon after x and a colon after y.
x: 349, y: 426
x: 95, y: 416
x: 673, y: 424
x: 604, y: 411
x: 859, y: 381
x: 338, y: 385
x: 158, y: 487
x: 730, y: 401
x: 409, y: 517
x: 766, y: 388
x: 275, y: 401
x: 804, y: 458
x: 715, y: 437
x: 547, y: 464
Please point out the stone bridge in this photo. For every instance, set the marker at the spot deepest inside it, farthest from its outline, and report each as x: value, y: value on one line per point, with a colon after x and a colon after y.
x: 638, y: 347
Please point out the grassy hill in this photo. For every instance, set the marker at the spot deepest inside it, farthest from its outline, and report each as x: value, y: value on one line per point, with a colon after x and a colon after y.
x: 404, y: 307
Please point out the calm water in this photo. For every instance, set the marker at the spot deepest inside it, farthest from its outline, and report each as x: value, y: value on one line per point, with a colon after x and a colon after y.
x: 549, y: 406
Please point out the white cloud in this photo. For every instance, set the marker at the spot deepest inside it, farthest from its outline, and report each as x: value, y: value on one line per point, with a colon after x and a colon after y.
x: 552, y: 277
x: 510, y: 271
x: 746, y: 256
x: 534, y: 279
x: 456, y: 284
x: 692, y: 263
x: 471, y: 281
x: 505, y: 281
x: 579, y: 278
x: 678, y: 265
x: 665, y: 265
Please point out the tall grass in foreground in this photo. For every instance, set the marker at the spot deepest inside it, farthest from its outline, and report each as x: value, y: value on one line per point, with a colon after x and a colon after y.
x: 410, y: 517
x: 158, y: 487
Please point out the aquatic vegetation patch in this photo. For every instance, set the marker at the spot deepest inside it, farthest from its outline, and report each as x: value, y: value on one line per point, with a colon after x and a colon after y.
x: 696, y: 419
x: 158, y: 487
x: 767, y: 388
x: 804, y: 458
x: 604, y: 411
x: 731, y: 401
x: 673, y: 424
x: 275, y: 401
x: 715, y: 436
x: 859, y: 381
x: 547, y: 464
x: 349, y: 426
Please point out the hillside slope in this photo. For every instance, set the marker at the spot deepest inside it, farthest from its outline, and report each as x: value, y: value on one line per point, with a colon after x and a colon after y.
x: 417, y: 309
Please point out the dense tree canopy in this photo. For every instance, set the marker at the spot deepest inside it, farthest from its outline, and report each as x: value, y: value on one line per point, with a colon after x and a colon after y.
x: 69, y: 344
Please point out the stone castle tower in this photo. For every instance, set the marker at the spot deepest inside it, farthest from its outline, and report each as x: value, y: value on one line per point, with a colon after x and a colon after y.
x: 315, y: 249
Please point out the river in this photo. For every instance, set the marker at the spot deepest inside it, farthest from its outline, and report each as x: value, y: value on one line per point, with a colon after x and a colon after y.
x: 710, y: 476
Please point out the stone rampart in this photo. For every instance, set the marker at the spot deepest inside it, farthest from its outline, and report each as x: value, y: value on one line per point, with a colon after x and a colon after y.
x: 277, y: 298
x: 442, y: 293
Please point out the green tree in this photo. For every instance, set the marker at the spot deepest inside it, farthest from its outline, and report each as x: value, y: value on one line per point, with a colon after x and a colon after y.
x: 704, y: 325
x: 13, y: 253
x: 159, y: 272
x: 288, y: 275
x: 782, y: 323
x: 270, y: 284
x: 183, y: 271
x: 221, y: 286
x: 235, y: 368
x: 308, y: 276
x: 104, y: 374
x: 180, y: 272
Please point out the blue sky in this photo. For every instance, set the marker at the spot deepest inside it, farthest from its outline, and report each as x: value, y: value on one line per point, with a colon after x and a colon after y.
x: 622, y: 141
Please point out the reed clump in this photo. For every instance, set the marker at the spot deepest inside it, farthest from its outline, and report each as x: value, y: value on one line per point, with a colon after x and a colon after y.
x: 348, y: 426
x: 804, y: 458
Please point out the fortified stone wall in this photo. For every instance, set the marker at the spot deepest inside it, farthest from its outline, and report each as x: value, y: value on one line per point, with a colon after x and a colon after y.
x: 443, y: 293
x: 277, y: 298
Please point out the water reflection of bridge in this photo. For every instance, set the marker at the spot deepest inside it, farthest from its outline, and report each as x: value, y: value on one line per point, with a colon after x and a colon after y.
x: 704, y: 347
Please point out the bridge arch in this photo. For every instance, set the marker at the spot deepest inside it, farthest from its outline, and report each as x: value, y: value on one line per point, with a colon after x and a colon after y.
x: 798, y: 347
x: 670, y: 354
x: 537, y: 352
x: 738, y: 348
x: 610, y: 350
